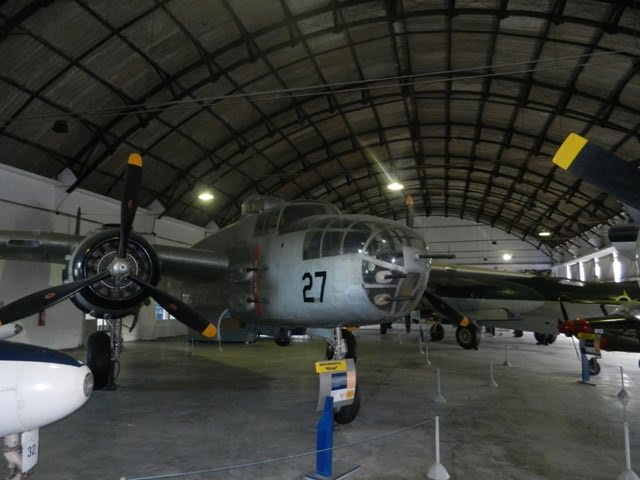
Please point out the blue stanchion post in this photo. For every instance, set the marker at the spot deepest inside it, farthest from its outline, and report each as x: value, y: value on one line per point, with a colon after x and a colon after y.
x: 324, y: 457
x: 584, y: 361
x: 586, y: 375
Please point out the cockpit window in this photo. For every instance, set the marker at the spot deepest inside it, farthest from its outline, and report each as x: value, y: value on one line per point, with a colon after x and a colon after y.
x: 294, y: 212
x: 311, y: 247
x: 332, y: 242
x: 356, y: 238
x: 385, y: 245
x: 286, y: 219
x: 271, y: 221
x: 328, y: 236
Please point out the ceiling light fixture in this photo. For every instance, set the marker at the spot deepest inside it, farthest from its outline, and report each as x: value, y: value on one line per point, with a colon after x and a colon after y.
x: 544, y: 233
x: 205, y: 196
x: 395, y: 186
x: 507, y: 256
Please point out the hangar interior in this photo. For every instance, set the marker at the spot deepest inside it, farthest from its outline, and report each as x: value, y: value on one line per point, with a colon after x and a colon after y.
x: 463, y: 102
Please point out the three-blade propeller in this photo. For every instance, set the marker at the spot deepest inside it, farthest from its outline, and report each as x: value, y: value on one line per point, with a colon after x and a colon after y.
x: 48, y: 297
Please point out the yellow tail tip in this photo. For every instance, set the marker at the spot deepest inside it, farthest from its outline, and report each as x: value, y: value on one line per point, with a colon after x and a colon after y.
x: 210, y: 331
x: 135, y: 159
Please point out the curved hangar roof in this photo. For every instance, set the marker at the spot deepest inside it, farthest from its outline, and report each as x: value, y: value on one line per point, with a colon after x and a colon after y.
x: 464, y: 102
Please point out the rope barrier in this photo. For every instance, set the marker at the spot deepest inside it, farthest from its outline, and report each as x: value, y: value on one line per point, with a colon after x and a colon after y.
x: 282, y: 459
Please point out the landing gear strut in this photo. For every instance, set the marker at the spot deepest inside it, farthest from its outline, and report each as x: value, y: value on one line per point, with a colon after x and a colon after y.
x: 342, y: 346
x: 103, y: 352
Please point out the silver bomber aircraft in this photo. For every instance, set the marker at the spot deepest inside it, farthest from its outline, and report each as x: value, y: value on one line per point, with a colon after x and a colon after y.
x: 280, y: 267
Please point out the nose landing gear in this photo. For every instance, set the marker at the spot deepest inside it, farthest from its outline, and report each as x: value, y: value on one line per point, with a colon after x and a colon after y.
x: 343, y: 346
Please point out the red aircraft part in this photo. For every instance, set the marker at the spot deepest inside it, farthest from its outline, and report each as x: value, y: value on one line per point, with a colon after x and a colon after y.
x: 574, y: 327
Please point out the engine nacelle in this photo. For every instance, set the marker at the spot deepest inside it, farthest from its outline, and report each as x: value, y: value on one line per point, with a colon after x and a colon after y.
x: 112, y: 297
x: 39, y: 386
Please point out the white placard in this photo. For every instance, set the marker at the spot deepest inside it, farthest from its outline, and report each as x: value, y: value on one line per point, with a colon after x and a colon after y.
x: 30, y: 449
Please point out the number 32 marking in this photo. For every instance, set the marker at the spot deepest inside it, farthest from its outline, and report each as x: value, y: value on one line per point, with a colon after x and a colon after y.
x: 309, y: 285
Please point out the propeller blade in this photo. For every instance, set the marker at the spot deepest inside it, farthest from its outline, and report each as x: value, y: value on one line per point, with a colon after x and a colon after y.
x: 449, y: 311
x: 601, y: 168
x: 129, y: 203
x: 183, y: 312
x: 38, y: 301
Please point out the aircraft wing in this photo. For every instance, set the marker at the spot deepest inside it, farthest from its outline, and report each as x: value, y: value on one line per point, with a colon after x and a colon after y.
x: 37, y: 246
x: 463, y: 271
x: 50, y: 247
x: 187, y: 261
x: 475, y: 282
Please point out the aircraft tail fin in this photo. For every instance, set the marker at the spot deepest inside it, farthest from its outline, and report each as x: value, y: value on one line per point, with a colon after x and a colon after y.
x: 601, y: 168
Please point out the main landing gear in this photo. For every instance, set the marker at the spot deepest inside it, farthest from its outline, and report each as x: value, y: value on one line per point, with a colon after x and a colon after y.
x: 103, y: 352
x: 436, y: 332
x: 343, y: 346
x: 544, y: 338
x: 594, y: 366
x: 283, y: 338
x: 468, y: 337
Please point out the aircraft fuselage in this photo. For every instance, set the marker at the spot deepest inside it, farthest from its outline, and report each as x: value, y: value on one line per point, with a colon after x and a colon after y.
x: 324, y: 270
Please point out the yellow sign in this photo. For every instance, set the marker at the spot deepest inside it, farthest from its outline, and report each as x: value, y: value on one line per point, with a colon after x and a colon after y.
x: 331, y: 366
x: 587, y: 336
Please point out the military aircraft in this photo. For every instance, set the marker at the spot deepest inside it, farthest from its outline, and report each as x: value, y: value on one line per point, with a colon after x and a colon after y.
x: 38, y: 386
x: 619, y: 331
x: 516, y: 301
x: 470, y: 297
x: 281, y: 266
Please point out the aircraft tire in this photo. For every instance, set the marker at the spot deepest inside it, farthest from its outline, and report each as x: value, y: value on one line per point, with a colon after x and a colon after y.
x: 518, y: 333
x: 594, y: 367
x: 545, y: 338
x: 468, y: 337
x: 99, y: 358
x: 283, y: 339
x: 436, y: 332
x: 348, y: 413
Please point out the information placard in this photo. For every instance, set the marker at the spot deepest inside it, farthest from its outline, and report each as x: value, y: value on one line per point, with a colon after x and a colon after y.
x: 337, y: 379
x: 30, y: 449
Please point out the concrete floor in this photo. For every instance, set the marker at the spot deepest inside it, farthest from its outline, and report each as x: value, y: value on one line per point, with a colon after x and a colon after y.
x: 175, y: 413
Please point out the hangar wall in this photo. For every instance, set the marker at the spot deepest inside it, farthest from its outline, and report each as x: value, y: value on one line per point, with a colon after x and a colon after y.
x: 604, y: 265
x: 30, y: 202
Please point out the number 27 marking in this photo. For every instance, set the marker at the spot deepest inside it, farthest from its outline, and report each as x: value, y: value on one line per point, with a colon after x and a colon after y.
x: 309, y: 285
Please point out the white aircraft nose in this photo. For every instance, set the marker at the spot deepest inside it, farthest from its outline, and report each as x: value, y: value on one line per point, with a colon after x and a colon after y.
x: 35, y: 392
x: 48, y: 392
